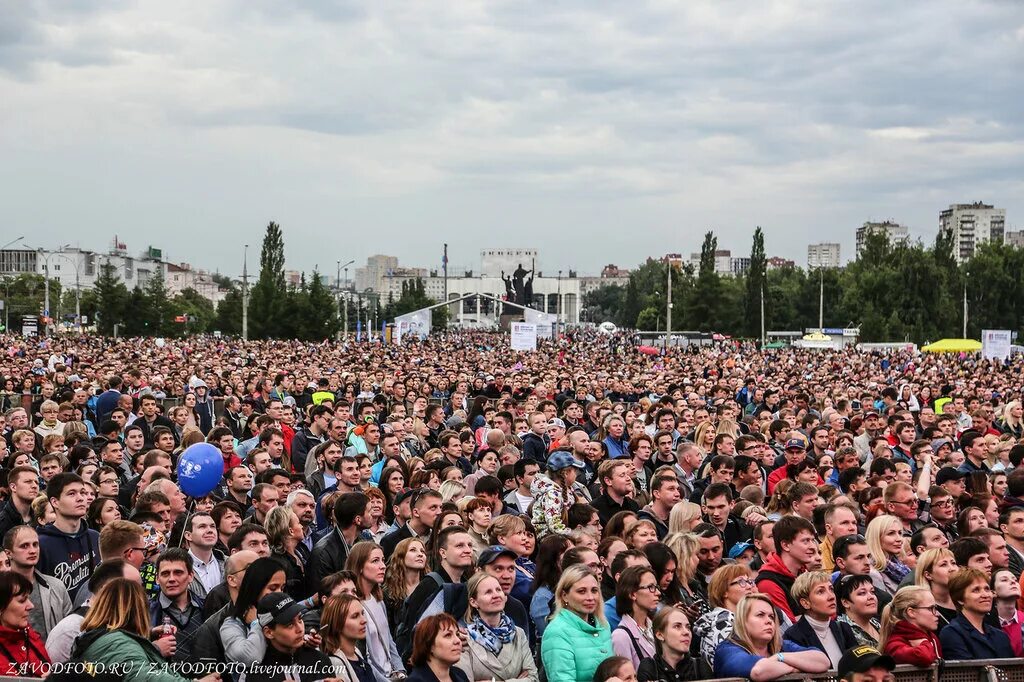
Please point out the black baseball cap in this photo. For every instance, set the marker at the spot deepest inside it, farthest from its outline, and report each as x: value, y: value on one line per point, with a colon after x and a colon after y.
x: 949, y: 474
x: 861, y: 659
x: 277, y: 608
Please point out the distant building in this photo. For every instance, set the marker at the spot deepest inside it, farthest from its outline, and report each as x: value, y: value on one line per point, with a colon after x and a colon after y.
x: 823, y: 255
x: 896, y: 233
x: 972, y: 225
x: 371, y: 276
x: 613, y: 271
x: 1014, y: 239
x: 725, y: 264
x: 776, y: 262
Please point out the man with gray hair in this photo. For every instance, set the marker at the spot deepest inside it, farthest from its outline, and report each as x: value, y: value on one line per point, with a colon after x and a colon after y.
x: 688, y: 459
x: 303, y: 503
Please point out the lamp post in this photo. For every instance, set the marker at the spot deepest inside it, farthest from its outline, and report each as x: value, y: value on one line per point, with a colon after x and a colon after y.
x: 337, y: 287
x: 46, y: 279
x: 245, y: 294
x: 7, y: 283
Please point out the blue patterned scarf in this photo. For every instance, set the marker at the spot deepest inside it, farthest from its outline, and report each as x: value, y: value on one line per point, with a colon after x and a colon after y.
x: 896, y: 570
x: 490, y: 638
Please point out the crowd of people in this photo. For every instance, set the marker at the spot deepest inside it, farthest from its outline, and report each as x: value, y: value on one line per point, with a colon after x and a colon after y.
x: 451, y: 510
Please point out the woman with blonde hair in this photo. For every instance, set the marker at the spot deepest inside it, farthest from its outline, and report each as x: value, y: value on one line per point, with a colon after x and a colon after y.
x: 704, y: 437
x: 1012, y: 420
x: 684, y: 517
x: 577, y: 639
x: 452, y: 491
x: 116, y: 630
x: 685, y: 546
x: 495, y: 647
x: 935, y: 567
x: 908, y: 628
x: 728, y: 427
x: 755, y: 648
x: 729, y: 584
x: 884, y: 537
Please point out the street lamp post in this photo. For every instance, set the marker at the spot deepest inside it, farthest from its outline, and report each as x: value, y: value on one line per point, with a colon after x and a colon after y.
x: 343, y: 300
x: 245, y: 294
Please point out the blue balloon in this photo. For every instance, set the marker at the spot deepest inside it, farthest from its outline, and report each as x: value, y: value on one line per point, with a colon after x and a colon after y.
x: 200, y: 469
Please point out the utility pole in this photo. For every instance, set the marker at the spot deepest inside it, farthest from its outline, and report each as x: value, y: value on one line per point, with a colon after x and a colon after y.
x: 764, y: 337
x: 668, y: 304
x: 821, y: 302
x: 245, y: 294
x: 965, y: 304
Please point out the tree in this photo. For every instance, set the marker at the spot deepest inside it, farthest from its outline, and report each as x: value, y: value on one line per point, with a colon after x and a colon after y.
x: 703, y: 306
x: 269, y: 295
x: 228, y: 318
x: 324, y: 321
x: 198, y: 310
x: 111, y: 299
x: 755, y: 282
x: 158, y: 307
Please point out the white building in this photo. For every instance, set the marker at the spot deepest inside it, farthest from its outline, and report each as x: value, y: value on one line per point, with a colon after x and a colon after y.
x: 894, y: 232
x: 75, y: 267
x: 972, y: 225
x: 823, y: 255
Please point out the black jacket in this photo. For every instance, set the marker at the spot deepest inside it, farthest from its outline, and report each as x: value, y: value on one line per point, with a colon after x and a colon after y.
x: 329, y: 556
x: 803, y: 634
x: 301, y: 444
x: 657, y: 670
x: 207, y: 646
x: 660, y: 526
x: 310, y: 665
x: 10, y: 517
x: 391, y: 540
x: 607, y: 507
x: 148, y: 428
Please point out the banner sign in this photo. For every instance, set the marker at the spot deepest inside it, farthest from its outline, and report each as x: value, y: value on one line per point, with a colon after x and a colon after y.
x: 524, y: 336
x: 415, y: 324
x: 995, y: 344
x: 545, y: 322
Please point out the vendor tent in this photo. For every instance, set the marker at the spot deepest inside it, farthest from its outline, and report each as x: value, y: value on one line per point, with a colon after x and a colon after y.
x: 953, y: 346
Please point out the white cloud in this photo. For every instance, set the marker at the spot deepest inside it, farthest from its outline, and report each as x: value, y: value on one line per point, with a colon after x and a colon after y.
x: 596, y: 131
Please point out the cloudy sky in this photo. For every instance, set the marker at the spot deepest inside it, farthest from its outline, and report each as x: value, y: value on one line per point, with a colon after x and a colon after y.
x: 598, y: 132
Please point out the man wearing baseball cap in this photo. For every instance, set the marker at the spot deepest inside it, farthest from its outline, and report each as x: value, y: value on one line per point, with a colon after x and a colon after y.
x: 795, y: 452
x: 287, y: 657
x: 865, y: 664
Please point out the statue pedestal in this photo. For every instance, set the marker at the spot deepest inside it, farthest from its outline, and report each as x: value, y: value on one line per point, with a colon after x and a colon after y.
x: 506, y: 320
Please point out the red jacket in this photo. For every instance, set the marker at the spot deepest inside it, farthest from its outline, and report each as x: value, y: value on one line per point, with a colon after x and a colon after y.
x: 922, y: 655
x: 776, y: 580
x: 22, y: 653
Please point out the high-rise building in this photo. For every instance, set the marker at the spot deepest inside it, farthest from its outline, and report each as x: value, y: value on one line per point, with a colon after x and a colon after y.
x: 894, y: 232
x: 823, y: 255
x: 972, y: 225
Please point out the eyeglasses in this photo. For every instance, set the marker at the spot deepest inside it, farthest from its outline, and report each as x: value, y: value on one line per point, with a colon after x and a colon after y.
x: 652, y: 588
x: 934, y: 608
x: 906, y: 502
x: 943, y: 503
x: 744, y: 582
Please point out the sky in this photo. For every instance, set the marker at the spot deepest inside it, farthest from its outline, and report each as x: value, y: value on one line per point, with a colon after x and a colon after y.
x: 596, y: 132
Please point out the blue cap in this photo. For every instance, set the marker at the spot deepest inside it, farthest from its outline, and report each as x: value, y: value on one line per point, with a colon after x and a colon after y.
x: 560, y: 459
x: 796, y: 444
x: 739, y: 548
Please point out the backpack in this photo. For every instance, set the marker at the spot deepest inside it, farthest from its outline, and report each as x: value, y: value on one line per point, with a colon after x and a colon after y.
x: 403, y: 633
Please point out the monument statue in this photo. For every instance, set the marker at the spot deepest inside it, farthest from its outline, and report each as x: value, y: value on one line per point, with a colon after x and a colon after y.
x: 518, y: 277
x: 510, y: 292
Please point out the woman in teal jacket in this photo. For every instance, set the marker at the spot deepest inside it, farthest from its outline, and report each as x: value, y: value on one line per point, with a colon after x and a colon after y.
x: 577, y: 639
x: 116, y: 635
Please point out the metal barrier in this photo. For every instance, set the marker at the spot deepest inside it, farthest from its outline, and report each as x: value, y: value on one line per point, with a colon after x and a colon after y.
x: 1006, y: 669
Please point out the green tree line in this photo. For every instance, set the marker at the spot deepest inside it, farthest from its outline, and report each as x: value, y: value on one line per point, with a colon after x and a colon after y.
x: 892, y: 292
